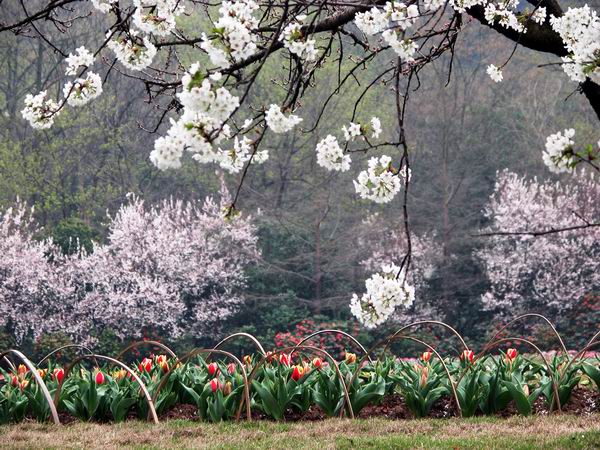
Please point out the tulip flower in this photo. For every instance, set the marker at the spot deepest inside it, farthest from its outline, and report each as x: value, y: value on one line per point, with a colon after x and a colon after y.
x: 467, y: 355
x: 270, y: 356
x: 247, y: 360
x: 42, y: 373
x: 14, y: 381
x: 426, y: 356
x: 424, y: 374
x: 22, y: 370
x: 215, y: 385
x: 350, y: 358
x: 231, y: 368
x: 317, y: 363
x: 511, y: 354
x: 285, y: 359
x: 100, y: 378
x: 297, y: 373
x: 227, y: 389
x: 58, y: 374
x: 145, y: 365
x: 119, y: 374
x: 213, y: 369
x: 161, y: 360
x: 24, y: 384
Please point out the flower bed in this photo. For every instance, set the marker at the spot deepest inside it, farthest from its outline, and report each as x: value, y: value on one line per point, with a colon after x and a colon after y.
x: 301, y: 383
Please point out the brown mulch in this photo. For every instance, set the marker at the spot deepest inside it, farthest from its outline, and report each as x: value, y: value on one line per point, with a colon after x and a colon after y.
x: 182, y: 411
x: 392, y: 407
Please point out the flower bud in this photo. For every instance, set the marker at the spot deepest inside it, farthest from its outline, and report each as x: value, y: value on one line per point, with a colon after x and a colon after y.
x: 231, y: 368
x: 285, y: 359
x: 100, y: 378
x: 297, y: 373
x: 350, y: 358
x: 215, y: 385
x: 426, y: 356
x: 247, y: 360
x: 58, y: 374
x: 227, y: 389
x: 145, y: 365
x: 467, y: 355
x: 317, y: 363
x: 511, y: 354
x: 213, y: 369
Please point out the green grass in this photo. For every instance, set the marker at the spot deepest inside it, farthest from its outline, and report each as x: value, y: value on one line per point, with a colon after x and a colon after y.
x: 557, y: 431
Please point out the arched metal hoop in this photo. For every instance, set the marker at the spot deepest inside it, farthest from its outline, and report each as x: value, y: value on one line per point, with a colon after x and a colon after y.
x: 38, y: 380
x: 151, y: 409
x: 56, y: 350
x: 256, y: 342
x: 142, y: 343
x: 343, y: 333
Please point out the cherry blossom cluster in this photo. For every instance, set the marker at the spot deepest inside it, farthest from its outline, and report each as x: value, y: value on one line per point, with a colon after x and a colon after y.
x: 548, y: 271
x: 279, y: 122
x: 82, y: 58
x: 331, y: 156
x: 175, y: 267
x: 40, y: 111
x: 559, y: 154
x: 380, y: 182
x: 83, y: 90
x: 391, y: 22
x: 233, y: 34
x: 579, y: 28
x: 133, y: 52
x: 156, y: 16
x: 294, y: 40
x: 385, y: 291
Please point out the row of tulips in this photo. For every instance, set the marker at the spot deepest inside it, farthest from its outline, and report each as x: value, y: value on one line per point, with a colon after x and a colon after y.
x: 287, y: 383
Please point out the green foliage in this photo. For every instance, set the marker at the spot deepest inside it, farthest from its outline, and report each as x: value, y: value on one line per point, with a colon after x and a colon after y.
x: 73, y: 235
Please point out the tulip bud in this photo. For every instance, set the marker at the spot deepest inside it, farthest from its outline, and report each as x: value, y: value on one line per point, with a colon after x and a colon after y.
x: 145, y: 365
x: 317, y: 363
x: 58, y: 374
x: 247, y: 360
x: 42, y: 373
x: 119, y: 374
x: 24, y: 384
x: 227, y: 389
x: 285, y: 359
x: 100, y: 378
x: 14, y: 381
x: 526, y: 390
x: 270, y: 356
x: 511, y: 354
x: 213, y: 369
x: 22, y: 370
x: 424, y: 374
x: 215, y: 384
x: 350, y: 358
x: 467, y: 355
x: 297, y: 373
x: 426, y: 356
x: 231, y: 368
x: 161, y: 360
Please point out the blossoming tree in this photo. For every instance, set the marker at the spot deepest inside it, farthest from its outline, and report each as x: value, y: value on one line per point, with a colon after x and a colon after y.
x: 203, y: 108
x: 529, y: 266
x: 172, y: 268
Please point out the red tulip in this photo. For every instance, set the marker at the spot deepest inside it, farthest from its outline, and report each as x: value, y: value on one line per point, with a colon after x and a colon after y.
x: 467, y: 355
x: 213, y: 369
x: 285, y: 359
x: 426, y: 356
x: 297, y: 373
x: 145, y: 365
x: 161, y: 360
x: 511, y: 353
x: 14, y: 381
x: 58, y: 374
x: 215, y: 384
x: 100, y: 378
x: 317, y: 363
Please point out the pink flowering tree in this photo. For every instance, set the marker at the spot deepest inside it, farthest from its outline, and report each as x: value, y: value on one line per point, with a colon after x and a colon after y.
x: 530, y: 266
x: 172, y: 268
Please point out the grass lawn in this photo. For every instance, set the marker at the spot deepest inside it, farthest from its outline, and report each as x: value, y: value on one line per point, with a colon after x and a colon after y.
x: 557, y: 431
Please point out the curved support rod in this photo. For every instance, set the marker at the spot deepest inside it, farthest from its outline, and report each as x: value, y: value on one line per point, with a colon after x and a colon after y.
x: 334, y: 363
x: 152, y: 410
x: 524, y: 316
x: 56, y: 350
x: 140, y: 343
x: 349, y: 336
x: 424, y: 322
x: 537, y: 349
x: 10, y: 363
x: 256, y: 342
x: 197, y: 351
x: 581, y: 352
x: 38, y: 380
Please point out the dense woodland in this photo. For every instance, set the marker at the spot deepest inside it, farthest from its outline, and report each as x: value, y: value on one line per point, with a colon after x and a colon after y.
x: 314, y: 233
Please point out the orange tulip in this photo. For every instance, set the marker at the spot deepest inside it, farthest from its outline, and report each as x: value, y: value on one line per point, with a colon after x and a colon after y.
x: 350, y: 358
x: 247, y: 360
x: 42, y: 373
x: 22, y: 370
x: 424, y: 374
x: 297, y: 373
x: 227, y: 389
